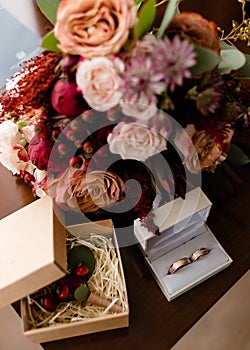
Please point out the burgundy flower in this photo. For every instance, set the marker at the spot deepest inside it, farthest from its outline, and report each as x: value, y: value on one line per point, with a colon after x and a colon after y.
x: 66, y: 98
x: 39, y: 151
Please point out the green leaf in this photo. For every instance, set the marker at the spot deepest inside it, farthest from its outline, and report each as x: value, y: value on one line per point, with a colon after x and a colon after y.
x: 169, y: 14
x: 245, y: 70
x: 22, y: 124
x: 49, y: 42
x: 79, y: 256
x: 232, y: 59
x: 49, y: 9
x: 146, y: 18
x: 236, y: 156
x: 82, y: 293
x: 206, y: 60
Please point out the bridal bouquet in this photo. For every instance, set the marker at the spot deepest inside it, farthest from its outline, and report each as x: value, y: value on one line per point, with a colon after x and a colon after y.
x: 116, y: 110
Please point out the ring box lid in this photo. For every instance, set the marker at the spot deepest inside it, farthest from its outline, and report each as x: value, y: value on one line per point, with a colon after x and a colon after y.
x: 33, y: 254
x: 173, y: 217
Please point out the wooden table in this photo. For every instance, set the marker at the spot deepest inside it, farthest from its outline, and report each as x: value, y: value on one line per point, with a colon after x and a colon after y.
x: 155, y: 323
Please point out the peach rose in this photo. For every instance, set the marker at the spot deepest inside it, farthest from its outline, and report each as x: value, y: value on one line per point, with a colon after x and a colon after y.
x: 96, y: 189
x: 135, y: 141
x: 99, y: 81
x: 91, y: 28
x: 195, y: 28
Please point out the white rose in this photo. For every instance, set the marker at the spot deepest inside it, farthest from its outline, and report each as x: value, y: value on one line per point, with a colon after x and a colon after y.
x: 10, y: 136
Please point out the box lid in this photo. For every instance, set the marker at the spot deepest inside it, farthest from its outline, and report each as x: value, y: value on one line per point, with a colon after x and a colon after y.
x: 174, y: 216
x: 33, y: 254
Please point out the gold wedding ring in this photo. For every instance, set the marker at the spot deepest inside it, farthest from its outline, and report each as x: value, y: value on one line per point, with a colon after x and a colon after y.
x: 198, y: 254
x: 178, y: 265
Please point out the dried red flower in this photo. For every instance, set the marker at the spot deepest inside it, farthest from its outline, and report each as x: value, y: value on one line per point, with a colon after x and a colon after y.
x: 36, y: 79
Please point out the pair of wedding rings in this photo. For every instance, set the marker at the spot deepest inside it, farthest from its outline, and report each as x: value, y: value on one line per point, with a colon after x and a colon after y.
x: 196, y: 255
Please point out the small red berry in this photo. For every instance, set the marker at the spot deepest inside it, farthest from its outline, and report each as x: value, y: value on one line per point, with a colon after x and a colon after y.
x: 62, y: 149
x: 55, y: 134
x: 75, y: 124
x: 48, y: 303
x: 82, y: 271
x: 64, y: 292
x: 88, y: 147
x: 41, y: 129
x: 113, y: 115
x: 28, y: 178
x: 76, y: 162
x: 101, y: 152
x: 71, y: 135
x: 78, y: 143
x: 88, y: 116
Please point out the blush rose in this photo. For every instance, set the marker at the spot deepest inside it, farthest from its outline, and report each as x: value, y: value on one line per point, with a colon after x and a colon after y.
x: 99, y: 81
x: 135, y: 141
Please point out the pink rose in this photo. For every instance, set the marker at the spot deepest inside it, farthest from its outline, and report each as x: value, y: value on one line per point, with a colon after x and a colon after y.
x: 135, y: 141
x: 99, y: 81
x: 91, y: 28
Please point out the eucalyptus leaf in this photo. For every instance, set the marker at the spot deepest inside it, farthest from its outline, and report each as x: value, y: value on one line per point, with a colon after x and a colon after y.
x: 245, y: 70
x: 236, y: 156
x: 232, y: 59
x: 49, y: 42
x: 79, y: 256
x: 138, y: 2
x: 169, y: 14
x: 206, y: 60
x: 49, y: 9
x: 82, y: 293
x: 146, y: 18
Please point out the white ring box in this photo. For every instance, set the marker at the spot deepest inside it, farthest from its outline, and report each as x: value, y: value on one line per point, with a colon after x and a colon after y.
x: 33, y: 255
x: 183, y: 230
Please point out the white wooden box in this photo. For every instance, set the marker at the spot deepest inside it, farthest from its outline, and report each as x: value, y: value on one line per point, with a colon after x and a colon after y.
x: 183, y: 230
x: 35, y: 256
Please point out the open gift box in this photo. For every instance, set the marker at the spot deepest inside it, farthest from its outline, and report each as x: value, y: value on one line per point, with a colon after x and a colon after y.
x: 183, y: 232
x: 34, y: 255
